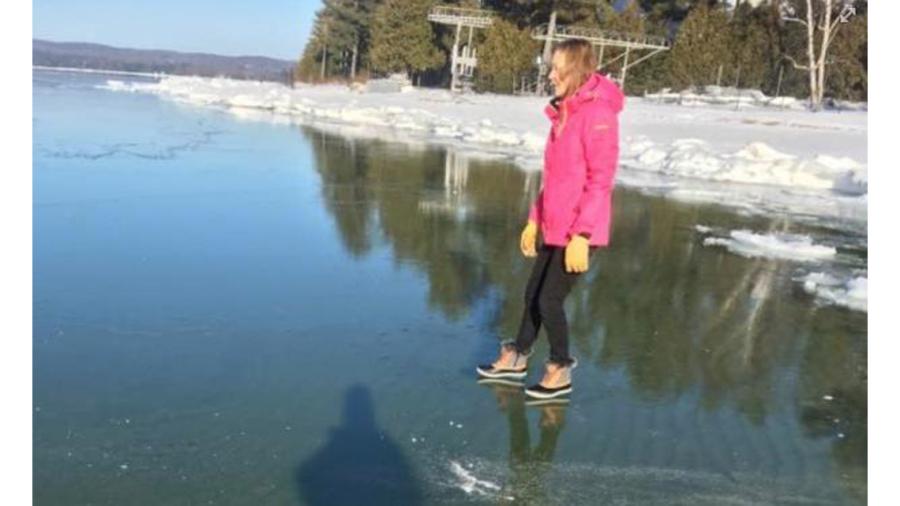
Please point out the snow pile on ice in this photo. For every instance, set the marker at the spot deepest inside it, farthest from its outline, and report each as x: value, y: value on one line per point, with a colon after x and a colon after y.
x: 115, y: 85
x: 852, y: 293
x: 469, y: 483
x: 779, y: 245
x: 756, y: 163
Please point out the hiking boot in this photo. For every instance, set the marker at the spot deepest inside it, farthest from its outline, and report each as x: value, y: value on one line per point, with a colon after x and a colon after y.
x: 510, y: 364
x: 557, y: 381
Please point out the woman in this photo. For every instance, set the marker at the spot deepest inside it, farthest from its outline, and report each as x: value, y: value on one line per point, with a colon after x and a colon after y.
x: 572, y: 212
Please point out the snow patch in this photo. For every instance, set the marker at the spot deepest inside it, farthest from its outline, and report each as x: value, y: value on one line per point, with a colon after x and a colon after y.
x: 852, y: 293
x: 779, y: 245
x: 470, y: 484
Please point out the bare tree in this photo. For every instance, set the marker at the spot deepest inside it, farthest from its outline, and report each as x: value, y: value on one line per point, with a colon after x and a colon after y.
x: 822, y: 21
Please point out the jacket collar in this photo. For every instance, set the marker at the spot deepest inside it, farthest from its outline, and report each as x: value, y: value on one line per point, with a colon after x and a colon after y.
x: 596, y: 87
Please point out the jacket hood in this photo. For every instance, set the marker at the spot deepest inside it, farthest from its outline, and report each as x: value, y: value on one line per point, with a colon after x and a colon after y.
x: 597, y: 88
x: 600, y: 87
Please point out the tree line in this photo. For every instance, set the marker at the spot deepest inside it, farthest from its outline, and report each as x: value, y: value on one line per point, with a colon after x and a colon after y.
x: 814, y: 49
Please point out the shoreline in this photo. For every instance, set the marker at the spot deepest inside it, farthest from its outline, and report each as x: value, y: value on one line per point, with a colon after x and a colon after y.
x: 101, y: 71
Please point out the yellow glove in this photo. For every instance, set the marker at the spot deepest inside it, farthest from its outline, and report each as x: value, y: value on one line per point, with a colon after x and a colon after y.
x: 577, y: 254
x: 528, y: 240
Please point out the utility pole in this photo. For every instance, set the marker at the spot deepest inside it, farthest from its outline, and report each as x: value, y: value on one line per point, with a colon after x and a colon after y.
x: 454, y: 72
x: 547, y: 54
x: 324, y: 52
x: 778, y: 86
x: 355, y: 44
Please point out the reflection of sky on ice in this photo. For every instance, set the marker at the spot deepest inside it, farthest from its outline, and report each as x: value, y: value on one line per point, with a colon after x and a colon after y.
x: 207, y: 321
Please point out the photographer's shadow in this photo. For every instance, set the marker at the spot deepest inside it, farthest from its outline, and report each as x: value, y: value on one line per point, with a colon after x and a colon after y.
x: 359, y: 463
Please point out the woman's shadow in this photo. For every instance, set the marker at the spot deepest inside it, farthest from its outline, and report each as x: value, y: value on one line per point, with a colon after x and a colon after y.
x: 359, y: 464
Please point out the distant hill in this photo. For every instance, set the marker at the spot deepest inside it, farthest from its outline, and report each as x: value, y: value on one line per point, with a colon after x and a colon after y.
x: 97, y: 56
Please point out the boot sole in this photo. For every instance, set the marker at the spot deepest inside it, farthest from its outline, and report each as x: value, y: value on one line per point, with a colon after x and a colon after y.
x: 547, y: 402
x: 549, y: 395
x: 501, y: 381
x: 501, y: 374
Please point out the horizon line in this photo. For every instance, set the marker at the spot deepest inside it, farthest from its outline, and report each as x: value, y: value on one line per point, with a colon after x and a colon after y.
x: 181, y: 51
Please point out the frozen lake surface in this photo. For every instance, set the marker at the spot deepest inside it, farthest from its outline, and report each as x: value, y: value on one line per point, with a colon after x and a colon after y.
x: 234, y: 311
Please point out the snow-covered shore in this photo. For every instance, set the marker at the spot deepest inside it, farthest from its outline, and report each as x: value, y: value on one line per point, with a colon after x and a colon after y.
x: 812, y: 165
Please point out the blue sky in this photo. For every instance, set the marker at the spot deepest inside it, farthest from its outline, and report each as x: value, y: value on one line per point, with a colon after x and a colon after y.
x: 276, y: 28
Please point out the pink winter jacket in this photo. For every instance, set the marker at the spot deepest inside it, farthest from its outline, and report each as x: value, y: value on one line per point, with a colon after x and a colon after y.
x: 580, y: 163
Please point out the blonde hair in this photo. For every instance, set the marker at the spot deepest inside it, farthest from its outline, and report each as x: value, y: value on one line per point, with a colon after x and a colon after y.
x: 579, y: 62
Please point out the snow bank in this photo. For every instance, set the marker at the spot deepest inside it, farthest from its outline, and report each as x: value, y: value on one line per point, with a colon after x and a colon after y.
x: 778, y: 245
x: 280, y: 99
x: 852, y: 292
x: 756, y: 163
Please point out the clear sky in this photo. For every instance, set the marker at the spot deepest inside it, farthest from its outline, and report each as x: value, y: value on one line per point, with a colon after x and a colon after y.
x: 275, y: 28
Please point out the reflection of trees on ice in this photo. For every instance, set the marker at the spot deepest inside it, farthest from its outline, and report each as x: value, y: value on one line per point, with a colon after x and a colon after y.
x: 452, y: 202
x: 677, y: 319
x: 740, y: 340
x: 529, y: 464
x: 456, y: 172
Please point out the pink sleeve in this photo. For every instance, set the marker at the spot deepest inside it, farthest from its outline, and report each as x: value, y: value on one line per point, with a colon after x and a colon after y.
x: 601, y: 149
x: 534, y: 214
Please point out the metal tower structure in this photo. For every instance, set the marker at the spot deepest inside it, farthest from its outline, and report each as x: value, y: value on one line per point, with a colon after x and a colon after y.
x: 463, y: 59
x: 600, y: 39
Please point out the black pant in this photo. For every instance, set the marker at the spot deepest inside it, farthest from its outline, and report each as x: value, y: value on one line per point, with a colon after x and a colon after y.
x: 545, y: 294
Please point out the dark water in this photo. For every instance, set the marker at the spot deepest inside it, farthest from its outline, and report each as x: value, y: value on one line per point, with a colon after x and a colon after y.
x: 232, y: 312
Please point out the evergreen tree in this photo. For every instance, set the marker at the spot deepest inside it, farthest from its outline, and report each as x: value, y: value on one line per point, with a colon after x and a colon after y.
x: 847, y: 73
x: 651, y: 75
x: 702, y: 45
x: 751, y: 60
x: 506, y: 54
x: 402, y: 38
x: 353, y: 17
x: 338, y: 42
x: 754, y: 47
x: 666, y: 12
x: 629, y: 21
x: 533, y: 13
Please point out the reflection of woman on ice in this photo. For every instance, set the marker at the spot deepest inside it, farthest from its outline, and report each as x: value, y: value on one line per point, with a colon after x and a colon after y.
x: 572, y: 211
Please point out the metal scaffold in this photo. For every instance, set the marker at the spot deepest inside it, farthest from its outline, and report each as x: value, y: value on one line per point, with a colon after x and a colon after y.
x: 462, y: 59
x: 649, y: 45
